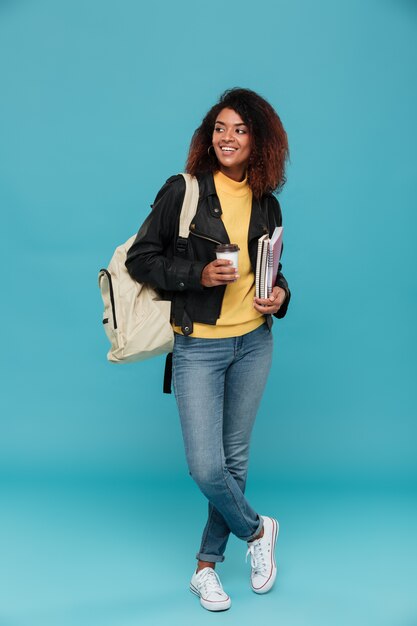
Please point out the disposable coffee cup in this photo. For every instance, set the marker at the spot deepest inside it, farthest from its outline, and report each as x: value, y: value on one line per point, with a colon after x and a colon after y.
x: 228, y: 251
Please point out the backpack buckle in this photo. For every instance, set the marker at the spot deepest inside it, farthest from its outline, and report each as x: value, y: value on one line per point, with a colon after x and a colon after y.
x: 181, y: 245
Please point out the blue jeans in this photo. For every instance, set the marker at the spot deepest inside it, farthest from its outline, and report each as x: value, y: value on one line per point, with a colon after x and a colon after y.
x: 218, y: 385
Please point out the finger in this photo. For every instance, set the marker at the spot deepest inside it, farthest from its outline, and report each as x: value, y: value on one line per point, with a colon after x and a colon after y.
x: 226, y: 277
x: 263, y: 301
x: 219, y: 262
x: 279, y: 294
x: 268, y: 301
x: 226, y: 270
x: 265, y: 309
x: 276, y: 294
x: 267, y: 306
x: 226, y: 281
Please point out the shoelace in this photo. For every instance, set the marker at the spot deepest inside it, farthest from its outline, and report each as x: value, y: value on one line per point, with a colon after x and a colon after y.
x: 209, y: 582
x: 257, y: 558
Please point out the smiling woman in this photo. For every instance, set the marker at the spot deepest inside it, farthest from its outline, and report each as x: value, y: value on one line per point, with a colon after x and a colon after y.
x: 268, y: 147
x: 223, y: 340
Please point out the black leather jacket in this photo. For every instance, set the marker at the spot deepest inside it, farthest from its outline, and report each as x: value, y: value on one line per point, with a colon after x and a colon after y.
x: 174, y: 266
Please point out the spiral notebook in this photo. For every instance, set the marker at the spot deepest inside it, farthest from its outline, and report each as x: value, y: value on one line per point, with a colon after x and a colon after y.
x: 267, y: 262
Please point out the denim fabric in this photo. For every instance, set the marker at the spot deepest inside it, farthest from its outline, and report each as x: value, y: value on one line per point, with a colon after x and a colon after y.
x: 218, y: 384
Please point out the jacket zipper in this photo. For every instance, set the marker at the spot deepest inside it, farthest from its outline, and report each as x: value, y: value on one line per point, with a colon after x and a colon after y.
x: 192, y: 232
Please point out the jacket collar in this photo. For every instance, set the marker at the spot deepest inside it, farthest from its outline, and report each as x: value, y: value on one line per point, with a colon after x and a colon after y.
x: 258, y: 224
x: 206, y: 184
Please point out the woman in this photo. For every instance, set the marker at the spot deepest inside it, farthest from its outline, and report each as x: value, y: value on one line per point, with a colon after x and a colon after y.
x: 223, y: 341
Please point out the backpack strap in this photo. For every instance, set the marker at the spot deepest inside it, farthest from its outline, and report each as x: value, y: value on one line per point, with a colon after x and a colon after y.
x: 188, y: 210
x: 168, y: 374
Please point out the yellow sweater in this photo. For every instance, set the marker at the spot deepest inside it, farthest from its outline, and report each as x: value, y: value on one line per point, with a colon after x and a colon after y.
x: 238, y: 316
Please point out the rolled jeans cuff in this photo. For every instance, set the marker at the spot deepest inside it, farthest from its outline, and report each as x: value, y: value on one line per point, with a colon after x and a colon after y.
x: 257, y: 531
x: 210, y: 558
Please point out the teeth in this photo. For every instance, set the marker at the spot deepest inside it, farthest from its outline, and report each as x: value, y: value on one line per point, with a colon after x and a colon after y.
x: 228, y: 149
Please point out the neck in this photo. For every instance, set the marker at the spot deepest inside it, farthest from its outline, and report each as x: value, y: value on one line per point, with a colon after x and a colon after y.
x: 235, y: 173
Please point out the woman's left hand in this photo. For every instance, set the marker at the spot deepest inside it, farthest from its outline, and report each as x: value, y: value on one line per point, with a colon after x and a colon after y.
x: 271, y: 304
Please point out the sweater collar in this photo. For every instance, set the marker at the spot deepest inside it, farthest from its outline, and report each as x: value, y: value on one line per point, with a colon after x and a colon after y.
x: 207, y: 186
x: 238, y: 189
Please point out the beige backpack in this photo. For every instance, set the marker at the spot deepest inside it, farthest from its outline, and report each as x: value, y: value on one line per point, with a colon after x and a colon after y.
x: 136, y: 320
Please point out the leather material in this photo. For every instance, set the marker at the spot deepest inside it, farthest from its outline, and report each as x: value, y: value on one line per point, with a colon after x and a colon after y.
x: 153, y: 257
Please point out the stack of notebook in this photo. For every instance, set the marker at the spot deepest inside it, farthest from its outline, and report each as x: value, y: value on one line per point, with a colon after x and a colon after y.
x: 267, y: 262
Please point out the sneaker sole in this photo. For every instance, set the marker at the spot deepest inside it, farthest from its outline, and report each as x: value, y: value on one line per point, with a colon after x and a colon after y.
x: 269, y: 583
x: 211, y: 606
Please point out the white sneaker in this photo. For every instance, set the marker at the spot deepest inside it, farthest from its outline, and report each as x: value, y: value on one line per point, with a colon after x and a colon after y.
x: 262, y: 556
x: 207, y: 586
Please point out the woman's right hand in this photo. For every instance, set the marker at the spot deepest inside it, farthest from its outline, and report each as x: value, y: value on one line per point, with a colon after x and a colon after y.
x: 218, y: 272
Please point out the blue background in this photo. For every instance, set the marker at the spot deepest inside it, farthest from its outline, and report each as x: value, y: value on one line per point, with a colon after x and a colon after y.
x: 98, y: 103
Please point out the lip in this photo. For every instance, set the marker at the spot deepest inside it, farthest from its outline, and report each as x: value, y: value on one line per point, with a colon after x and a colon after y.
x: 228, y: 153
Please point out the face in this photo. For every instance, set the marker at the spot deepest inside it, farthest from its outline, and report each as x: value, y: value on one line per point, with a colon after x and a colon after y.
x: 232, y: 144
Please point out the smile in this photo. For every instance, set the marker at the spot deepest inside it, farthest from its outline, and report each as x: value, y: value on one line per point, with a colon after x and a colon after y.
x: 228, y: 149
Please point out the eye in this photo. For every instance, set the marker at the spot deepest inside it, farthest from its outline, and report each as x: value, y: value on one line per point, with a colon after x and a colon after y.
x: 241, y: 131
x: 218, y: 129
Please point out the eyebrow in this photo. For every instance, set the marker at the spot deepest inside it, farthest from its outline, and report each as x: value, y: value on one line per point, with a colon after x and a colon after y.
x: 238, y: 124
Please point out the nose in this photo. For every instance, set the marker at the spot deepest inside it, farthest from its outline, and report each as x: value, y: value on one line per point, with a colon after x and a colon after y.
x: 228, y: 136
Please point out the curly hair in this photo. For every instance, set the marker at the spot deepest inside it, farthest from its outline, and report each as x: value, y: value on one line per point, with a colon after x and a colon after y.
x: 269, y: 151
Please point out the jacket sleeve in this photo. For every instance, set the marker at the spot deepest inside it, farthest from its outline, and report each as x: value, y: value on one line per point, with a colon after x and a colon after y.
x: 281, y: 280
x: 148, y: 260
